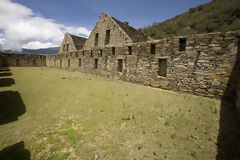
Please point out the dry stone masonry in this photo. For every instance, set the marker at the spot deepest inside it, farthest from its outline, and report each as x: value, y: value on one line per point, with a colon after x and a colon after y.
x: 199, y: 64
x: 203, y: 64
x: 22, y: 60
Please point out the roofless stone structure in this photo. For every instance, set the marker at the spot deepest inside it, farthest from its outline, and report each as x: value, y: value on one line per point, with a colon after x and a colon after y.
x: 203, y: 64
x: 111, y: 32
x: 71, y: 43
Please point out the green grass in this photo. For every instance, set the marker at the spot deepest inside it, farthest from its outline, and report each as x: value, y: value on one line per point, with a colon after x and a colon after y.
x: 84, y: 116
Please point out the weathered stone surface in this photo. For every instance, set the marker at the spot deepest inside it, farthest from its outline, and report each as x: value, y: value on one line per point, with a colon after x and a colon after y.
x: 217, y: 48
x: 203, y: 67
x: 216, y: 83
x: 180, y: 68
x: 203, y: 47
x: 22, y: 60
x: 71, y: 44
x: 164, y: 84
x: 192, y: 54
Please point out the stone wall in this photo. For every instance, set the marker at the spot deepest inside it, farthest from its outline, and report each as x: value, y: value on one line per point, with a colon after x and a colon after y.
x: 23, y: 60
x: 71, y: 43
x: 200, y: 65
x: 117, y: 36
x: 67, y: 41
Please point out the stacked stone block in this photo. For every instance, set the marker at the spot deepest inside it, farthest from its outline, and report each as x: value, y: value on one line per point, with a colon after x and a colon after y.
x: 203, y: 68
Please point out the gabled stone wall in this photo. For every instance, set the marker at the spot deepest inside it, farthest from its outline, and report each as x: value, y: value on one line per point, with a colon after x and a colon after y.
x: 117, y: 36
x: 67, y: 41
x: 203, y: 68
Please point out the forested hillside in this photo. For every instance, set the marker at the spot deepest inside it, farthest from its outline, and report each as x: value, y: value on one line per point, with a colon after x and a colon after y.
x: 218, y: 15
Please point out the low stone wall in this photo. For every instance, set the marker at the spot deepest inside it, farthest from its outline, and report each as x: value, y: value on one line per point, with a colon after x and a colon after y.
x: 199, y: 64
x: 23, y: 60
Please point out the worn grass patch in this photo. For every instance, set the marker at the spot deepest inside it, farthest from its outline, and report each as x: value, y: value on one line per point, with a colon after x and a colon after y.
x: 87, y: 117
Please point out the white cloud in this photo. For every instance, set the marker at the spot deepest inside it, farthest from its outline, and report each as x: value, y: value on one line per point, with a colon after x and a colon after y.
x: 23, y: 28
x: 78, y: 30
x: 37, y: 45
x: 2, y: 41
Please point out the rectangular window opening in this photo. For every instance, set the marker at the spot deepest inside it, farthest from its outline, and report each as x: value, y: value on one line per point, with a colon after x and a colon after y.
x: 83, y: 53
x: 79, y: 62
x: 129, y: 50
x: 100, y: 52
x: 60, y: 63
x: 34, y: 62
x: 107, y: 38
x: 96, y: 39
x: 25, y: 56
x: 91, y: 53
x: 162, y: 67
x: 113, y: 50
x: 153, y: 48
x: 69, y: 62
x: 182, y: 44
x: 67, y: 47
x: 95, y: 63
x: 17, y: 62
x: 120, y: 65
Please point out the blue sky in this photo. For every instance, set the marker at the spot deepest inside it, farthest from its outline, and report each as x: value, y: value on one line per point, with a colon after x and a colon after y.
x: 42, y: 23
x: 138, y: 13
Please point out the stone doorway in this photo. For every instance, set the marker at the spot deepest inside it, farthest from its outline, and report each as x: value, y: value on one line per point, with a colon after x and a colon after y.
x: 120, y: 65
x: 17, y: 62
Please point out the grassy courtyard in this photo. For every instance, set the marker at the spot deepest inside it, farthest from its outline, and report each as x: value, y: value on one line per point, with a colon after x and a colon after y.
x: 69, y: 115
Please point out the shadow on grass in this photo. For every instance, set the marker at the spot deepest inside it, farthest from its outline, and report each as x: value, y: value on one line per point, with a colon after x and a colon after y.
x: 15, y: 152
x: 6, y: 82
x: 229, y: 125
x: 11, y: 106
x: 229, y: 132
x: 5, y: 74
x: 5, y: 70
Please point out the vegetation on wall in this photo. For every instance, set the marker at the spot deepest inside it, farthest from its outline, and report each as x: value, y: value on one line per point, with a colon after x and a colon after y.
x: 216, y: 16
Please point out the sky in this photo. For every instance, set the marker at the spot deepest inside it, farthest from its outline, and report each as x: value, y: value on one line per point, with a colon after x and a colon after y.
x: 37, y: 24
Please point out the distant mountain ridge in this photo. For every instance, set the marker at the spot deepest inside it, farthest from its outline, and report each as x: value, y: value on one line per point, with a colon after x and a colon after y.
x: 216, y: 16
x: 52, y: 50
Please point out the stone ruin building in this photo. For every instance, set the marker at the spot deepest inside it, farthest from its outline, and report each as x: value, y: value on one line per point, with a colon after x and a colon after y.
x: 202, y: 64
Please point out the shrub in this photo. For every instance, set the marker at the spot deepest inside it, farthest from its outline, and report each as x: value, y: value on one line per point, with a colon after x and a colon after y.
x: 191, y: 10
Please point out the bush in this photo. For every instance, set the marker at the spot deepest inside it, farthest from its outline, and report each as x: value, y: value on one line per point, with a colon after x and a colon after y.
x: 191, y: 10
x: 216, y: 16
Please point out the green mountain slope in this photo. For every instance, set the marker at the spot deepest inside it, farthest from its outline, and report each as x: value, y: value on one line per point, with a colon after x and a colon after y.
x: 216, y: 16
